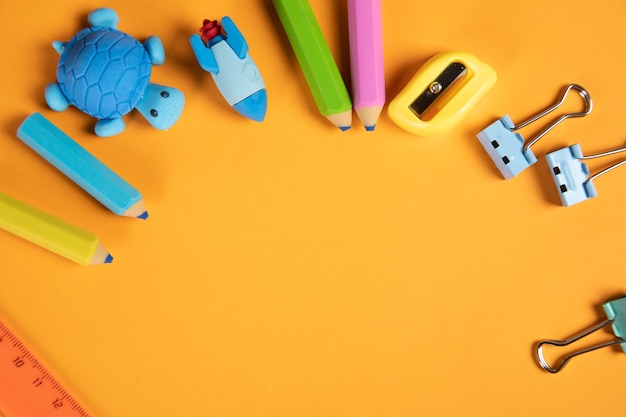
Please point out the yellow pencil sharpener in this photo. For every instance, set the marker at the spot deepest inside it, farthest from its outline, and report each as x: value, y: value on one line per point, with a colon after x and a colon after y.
x: 441, y: 93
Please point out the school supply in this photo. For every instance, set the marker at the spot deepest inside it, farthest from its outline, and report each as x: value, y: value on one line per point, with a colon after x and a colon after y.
x: 50, y: 232
x: 441, y: 93
x: 224, y: 54
x: 571, y: 175
x: 81, y: 167
x: 615, y: 311
x: 105, y: 73
x: 315, y: 59
x: 509, y: 150
x: 27, y: 387
x: 366, y: 59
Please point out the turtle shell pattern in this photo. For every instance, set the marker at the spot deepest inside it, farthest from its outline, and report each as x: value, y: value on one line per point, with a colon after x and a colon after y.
x: 104, y: 72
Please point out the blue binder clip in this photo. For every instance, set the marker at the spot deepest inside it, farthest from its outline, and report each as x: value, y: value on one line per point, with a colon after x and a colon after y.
x: 571, y: 175
x: 615, y: 311
x: 507, y: 148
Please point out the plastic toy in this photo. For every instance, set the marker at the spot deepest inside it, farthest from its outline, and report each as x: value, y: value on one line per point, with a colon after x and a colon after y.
x: 106, y: 73
x: 225, y: 56
x: 441, y: 93
x: 507, y: 148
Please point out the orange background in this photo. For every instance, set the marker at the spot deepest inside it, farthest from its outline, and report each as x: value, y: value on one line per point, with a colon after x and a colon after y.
x: 291, y: 269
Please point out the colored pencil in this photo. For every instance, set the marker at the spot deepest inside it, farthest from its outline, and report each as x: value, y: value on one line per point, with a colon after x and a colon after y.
x: 315, y: 59
x: 81, y: 167
x: 50, y: 232
x: 366, y: 59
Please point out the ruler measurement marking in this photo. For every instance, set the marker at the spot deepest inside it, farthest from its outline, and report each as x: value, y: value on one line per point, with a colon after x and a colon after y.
x: 29, y: 388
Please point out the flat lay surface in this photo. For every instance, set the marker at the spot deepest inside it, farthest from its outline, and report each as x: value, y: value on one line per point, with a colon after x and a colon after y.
x: 288, y: 268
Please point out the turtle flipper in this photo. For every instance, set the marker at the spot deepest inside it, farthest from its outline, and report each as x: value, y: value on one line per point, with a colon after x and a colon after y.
x: 161, y: 105
x: 59, y: 46
x: 109, y: 127
x: 155, y: 49
x: 104, y: 17
x: 55, y: 98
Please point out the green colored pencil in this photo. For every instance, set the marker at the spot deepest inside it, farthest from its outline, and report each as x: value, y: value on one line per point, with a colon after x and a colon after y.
x: 315, y: 59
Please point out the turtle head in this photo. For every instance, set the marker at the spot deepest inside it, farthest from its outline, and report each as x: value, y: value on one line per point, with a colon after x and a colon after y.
x: 161, y: 105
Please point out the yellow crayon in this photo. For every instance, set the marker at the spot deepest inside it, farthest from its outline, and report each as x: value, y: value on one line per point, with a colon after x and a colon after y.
x: 50, y: 232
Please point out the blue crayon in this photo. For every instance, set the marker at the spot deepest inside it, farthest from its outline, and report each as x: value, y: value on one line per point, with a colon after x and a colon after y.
x: 81, y: 167
x: 225, y: 56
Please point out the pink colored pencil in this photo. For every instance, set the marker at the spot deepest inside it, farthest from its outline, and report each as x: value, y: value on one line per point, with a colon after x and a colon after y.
x: 366, y: 59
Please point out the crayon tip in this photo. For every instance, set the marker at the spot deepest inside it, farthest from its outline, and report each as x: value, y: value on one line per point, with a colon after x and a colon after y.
x: 344, y: 128
x: 370, y: 128
x: 108, y: 259
x: 143, y: 216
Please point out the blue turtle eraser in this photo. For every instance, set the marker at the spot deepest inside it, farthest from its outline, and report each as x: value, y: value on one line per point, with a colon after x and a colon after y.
x: 161, y: 105
x: 506, y: 148
x: 103, y: 16
x: 570, y: 175
x: 105, y: 73
x: 616, y: 312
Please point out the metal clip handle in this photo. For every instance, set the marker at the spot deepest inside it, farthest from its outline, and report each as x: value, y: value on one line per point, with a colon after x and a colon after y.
x: 587, y: 109
x: 610, y: 168
x: 572, y: 339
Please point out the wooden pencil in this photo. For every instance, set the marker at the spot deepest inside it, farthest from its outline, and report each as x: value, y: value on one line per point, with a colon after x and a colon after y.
x: 81, y: 167
x: 366, y: 59
x: 317, y: 63
x: 51, y: 232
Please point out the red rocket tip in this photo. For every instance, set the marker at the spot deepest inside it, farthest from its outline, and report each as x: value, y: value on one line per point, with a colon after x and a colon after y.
x: 210, y: 29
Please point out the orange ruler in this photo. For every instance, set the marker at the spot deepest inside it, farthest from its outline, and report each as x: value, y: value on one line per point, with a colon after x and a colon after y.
x: 27, y: 388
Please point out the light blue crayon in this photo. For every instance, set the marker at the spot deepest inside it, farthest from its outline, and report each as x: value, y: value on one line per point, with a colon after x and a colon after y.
x: 81, y: 167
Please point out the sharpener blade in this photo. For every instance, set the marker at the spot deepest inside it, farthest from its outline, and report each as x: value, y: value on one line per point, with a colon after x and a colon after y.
x: 438, y: 87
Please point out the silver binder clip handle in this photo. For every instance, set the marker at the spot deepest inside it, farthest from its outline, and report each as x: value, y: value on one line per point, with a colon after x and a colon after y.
x: 544, y: 364
x: 588, y: 106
